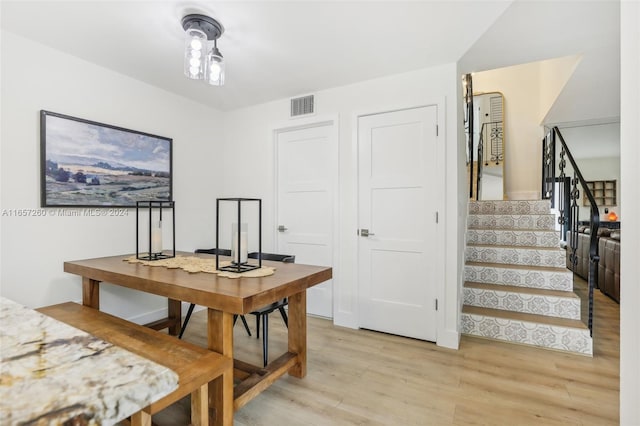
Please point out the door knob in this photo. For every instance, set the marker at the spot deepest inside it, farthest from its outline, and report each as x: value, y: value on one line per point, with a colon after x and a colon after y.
x: 282, y: 228
x: 366, y: 233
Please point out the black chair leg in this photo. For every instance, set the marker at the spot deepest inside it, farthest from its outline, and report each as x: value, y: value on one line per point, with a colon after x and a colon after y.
x: 246, y: 326
x: 284, y: 316
x: 186, y: 320
x: 265, y: 339
x: 244, y: 321
x: 258, y: 326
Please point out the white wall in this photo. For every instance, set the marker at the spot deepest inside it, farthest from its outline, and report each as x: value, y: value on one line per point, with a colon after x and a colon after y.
x: 630, y: 243
x: 606, y: 168
x: 248, y: 133
x: 520, y: 86
x: 35, y: 77
x: 215, y: 155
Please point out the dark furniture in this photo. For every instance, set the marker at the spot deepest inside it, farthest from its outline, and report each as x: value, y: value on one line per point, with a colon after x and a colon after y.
x: 609, y: 263
x: 221, y: 252
x: 263, y: 313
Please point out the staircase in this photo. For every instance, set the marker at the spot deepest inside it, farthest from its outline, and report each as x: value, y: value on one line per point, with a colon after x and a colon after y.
x: 517, y: 288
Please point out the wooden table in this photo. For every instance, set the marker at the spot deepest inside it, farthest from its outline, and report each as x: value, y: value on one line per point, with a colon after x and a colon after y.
x: 223, y: 297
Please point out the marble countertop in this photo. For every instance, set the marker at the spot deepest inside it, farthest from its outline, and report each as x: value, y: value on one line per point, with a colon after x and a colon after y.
x: 51, y: 372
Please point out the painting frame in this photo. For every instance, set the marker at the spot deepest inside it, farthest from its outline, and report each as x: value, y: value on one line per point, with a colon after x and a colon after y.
x: 84, y: 163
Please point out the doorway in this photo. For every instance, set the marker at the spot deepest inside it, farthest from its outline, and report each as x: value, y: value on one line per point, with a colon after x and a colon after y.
x: 397, y: 217
x: 306, y: 178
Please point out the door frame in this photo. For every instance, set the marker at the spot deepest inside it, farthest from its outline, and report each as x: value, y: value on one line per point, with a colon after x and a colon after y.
x: 301, y: 124
x: 440, y: 152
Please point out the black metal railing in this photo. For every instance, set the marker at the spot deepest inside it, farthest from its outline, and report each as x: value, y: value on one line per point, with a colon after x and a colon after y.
x: 480, y: 165
x: 492, y: 133
x: 468, y: 124
x: 569, y: 215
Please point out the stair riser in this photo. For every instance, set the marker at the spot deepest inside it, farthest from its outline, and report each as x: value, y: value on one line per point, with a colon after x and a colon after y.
x: 517, y: 256
x: 510, y: 207
x: 514, y: 238
x: 522, y: 278
x: 523, y: 332
x: 551, y: 306
x: 492, y: 221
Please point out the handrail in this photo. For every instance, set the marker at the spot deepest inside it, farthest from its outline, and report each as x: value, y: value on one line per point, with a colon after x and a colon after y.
x: 468, y: 99
x: 480, y: 163
x: 548, y: 189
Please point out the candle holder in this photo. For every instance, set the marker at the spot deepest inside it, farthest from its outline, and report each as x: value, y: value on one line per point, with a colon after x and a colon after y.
x: 154, y: 227
x: 239, y: 237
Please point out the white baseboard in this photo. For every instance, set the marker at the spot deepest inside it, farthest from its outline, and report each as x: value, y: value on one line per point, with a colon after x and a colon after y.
x: 148, y: 317
x: 158, y: 314
x: 344, y: 319
x: 448, y: 339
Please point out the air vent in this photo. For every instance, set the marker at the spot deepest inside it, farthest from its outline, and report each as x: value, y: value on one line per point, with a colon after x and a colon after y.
x: 304, y: 105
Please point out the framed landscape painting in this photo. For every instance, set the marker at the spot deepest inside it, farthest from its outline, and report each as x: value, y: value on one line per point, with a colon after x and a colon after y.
x: 90, y: 164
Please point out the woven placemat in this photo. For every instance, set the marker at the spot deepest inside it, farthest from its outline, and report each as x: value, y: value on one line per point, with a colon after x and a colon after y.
x: 194, y: 264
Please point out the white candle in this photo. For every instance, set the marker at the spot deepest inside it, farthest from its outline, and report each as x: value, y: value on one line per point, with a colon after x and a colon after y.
x: 156, y: 239
x: 243, y: 243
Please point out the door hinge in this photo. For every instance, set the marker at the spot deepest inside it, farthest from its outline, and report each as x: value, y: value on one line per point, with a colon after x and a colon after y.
x: 436, y: 217
x: 436, y: 304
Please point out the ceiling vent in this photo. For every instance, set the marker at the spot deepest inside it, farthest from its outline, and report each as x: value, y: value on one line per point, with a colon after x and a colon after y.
x: 303, y: 105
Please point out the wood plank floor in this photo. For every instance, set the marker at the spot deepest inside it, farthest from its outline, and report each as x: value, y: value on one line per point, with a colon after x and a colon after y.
x: 363, y: 377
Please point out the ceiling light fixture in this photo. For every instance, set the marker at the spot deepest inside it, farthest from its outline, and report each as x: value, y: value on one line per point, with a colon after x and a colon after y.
x: 200, y: 63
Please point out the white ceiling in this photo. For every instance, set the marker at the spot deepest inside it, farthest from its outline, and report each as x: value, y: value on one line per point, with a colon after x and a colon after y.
x: 273, y: 50
x: 280, y: 49
x: 531, y: 31
x: 587, y: 109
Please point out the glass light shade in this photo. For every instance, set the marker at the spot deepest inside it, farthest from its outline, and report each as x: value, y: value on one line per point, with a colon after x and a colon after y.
x: 194, y: 46
x: 215, y: 68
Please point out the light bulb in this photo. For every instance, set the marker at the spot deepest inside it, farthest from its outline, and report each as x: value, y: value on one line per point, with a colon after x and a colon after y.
x: 196, y: 44
x: 214, y: 69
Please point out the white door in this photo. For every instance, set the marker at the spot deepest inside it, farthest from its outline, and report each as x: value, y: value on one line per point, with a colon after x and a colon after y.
x: 397, y: 190
x: 306, y: 172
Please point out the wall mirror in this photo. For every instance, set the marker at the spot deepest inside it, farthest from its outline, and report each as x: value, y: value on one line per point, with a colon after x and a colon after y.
x: 488, y: 144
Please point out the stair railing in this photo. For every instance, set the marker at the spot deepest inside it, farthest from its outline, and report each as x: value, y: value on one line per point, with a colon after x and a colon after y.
x: 479, y: 165
x: 468, y: 124
x: 569, y: 215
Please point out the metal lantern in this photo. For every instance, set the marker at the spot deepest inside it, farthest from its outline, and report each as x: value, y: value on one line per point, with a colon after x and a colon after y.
x: 239, y: 236
x: 153, y: 231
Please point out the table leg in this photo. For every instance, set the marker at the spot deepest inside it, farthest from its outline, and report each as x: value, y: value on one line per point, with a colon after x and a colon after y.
x: 91, y: 293
x: 174, y: 309
x: 220, y: 339
x: 298, y: 332
x: 141, y: 418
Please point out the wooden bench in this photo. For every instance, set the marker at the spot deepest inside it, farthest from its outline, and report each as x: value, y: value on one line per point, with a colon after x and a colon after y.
x: 195, y: 366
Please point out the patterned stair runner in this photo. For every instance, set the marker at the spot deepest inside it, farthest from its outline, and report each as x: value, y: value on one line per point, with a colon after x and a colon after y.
x: 517, y: 288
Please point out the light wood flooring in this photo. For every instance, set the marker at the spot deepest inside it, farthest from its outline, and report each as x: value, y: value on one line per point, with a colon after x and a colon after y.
x: 362, y: 377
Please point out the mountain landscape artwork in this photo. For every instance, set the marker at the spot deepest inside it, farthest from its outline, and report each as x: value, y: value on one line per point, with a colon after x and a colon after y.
x: 85, y: 163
